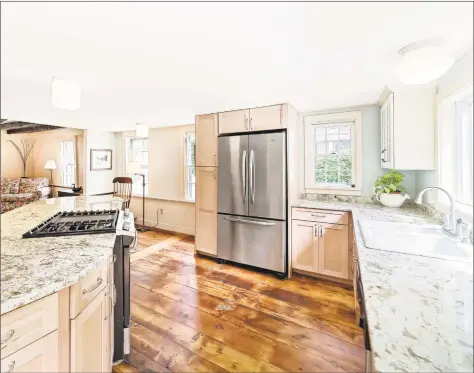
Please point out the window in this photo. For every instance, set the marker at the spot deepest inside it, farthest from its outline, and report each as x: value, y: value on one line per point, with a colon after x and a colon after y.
x: 464, y: 153
x: 68, y: 163
x: 455, y: 148
x: 333, y: 153
x: 136, y: 159
x: 189, y: 169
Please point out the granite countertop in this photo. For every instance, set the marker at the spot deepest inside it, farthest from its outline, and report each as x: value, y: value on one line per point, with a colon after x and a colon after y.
x: 419, y: 309
x: 34, y: 268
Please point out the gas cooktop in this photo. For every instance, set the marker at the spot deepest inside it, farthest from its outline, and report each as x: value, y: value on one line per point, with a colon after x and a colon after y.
x: 68, y: 223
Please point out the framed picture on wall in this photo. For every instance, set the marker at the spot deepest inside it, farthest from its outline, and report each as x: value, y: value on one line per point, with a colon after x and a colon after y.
x: 101, y: 159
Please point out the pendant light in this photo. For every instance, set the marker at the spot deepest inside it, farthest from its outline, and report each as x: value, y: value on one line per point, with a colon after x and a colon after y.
x: 423, y: 62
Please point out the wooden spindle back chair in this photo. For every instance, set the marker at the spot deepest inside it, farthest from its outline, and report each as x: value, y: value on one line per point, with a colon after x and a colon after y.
x: 123, y: 189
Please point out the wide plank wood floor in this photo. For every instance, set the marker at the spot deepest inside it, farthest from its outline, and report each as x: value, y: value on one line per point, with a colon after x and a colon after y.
x: 191, y: 314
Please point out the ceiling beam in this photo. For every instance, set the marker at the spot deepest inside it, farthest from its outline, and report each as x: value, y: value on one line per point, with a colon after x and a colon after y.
x: 25, y: 127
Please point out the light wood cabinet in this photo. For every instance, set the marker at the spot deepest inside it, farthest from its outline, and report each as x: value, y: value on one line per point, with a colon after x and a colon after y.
x: 39, y: 356
x: 206, y: 210
x: 320, y: 247
x: 206, y: 140
x: 234, y: 121
x: 90, y: 336
x: 305, y: 245
x: 333, y: 249
x: 266, y: 118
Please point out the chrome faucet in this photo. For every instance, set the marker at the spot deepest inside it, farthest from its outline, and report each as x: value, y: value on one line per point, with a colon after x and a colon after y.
x: 452, y: 228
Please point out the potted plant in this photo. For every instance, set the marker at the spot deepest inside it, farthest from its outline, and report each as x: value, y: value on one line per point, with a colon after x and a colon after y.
x: 389, y: 190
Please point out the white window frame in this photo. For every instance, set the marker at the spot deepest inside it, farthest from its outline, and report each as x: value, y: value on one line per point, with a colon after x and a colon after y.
x: 187, y: 182
x: 63, y: 170
x: 449, y: 164
x: 137, y: 186
x: 309, y: 121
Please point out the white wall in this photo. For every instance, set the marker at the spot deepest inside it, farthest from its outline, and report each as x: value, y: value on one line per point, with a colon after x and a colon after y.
x: 97, y: 182
x: 371, y: 169
x: 165, y: 205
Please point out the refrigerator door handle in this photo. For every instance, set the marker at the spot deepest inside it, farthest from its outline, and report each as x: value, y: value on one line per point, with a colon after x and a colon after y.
x: 249, y: 221
x: 244, y: 175
x: 252, y: 176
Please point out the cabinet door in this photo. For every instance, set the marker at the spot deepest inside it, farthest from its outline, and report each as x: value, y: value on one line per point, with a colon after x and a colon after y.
x: 206, y: 209
x: 39, y: 356
x: 206, y: 140
x: 304, y: 237
x: 266, y: 118
x: 90, y: 336
x: 234, y: 121
x: 333, y: 250
x: 386, y: 133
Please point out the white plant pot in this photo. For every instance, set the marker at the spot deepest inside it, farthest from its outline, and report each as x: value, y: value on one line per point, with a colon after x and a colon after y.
x: 392, y: 199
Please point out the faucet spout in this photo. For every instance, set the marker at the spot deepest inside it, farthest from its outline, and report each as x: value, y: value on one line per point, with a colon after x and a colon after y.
x: 452, y: 215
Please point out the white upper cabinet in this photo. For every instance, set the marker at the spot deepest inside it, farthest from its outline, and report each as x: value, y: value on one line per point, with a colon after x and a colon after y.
x: 266, y: 118
x: 407, y: 130
x: 234, y: 121
x: 257, y: 119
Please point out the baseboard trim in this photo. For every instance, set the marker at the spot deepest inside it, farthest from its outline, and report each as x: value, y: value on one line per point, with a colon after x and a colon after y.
x: 161, y: 230
x: 347, y: 284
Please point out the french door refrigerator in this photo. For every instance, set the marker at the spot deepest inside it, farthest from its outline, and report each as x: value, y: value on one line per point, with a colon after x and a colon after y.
x: 252, y: 200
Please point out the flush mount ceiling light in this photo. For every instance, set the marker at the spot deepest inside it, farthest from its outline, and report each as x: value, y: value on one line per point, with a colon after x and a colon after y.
x: 423, y: 62
x: 141, y: 130
x: 65, y: 94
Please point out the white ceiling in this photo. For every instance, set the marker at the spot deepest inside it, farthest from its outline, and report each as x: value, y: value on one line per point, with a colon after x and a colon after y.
x: 162, y: 63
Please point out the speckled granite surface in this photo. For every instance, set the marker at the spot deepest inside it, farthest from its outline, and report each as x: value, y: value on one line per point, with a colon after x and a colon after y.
x: 419, y: 309
x: 36, y: 267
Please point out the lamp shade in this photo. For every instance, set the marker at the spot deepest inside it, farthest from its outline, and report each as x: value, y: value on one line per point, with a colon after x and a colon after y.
x: 50, y: 165
x: 133, y: 167
x: 141, y: 130
x: 65, y: 94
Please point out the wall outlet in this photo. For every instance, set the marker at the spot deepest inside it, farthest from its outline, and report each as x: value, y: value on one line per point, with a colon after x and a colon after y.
x: 160, y: 211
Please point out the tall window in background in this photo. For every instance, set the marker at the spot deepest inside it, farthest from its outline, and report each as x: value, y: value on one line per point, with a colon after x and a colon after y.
x: 68, y: 163
x: 136, y: 150
x: 189, y: 169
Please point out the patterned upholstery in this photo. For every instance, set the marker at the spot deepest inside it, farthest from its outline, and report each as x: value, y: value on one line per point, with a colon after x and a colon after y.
x: 17, y: 192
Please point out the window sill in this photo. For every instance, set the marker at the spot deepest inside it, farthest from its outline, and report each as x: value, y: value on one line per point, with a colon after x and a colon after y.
x: 340, y: 191
x: 462, y: 211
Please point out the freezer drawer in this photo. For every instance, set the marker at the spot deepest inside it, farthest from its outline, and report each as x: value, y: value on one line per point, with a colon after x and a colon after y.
x: 257, y: 242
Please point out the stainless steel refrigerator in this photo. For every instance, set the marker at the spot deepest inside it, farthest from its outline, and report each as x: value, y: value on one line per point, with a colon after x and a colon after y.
x: 252, y: 200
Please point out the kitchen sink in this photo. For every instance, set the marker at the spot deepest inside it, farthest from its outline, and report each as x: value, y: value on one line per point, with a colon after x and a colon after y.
x: 423, y: 240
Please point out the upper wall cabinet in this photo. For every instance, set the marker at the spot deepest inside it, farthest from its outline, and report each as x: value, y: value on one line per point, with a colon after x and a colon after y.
x: 258, y: 119
x: 234, y: 121
x: 206, y: 140
x: 407, y: 133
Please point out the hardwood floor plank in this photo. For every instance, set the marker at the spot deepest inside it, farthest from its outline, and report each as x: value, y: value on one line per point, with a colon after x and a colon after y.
x: 124, y: 367
x: 202, y: 345
x: 144, y: 363
x: 167, y: 353
x: 286, y: 357
x: 336, y: 351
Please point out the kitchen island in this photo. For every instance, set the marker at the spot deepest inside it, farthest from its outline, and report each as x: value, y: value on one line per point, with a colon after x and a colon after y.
x: 419, y: 310
x: 57, y: 292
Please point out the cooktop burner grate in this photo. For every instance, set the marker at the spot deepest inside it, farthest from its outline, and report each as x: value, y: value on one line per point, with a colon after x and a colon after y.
x: 76, y: 222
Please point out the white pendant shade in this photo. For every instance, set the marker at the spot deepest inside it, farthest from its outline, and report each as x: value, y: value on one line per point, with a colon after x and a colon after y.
x: 141, y: 130
x: 66, y: 94
x: 423, y: 65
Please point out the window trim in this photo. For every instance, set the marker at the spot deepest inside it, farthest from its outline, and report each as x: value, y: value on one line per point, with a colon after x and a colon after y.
x: 311, y: 119
x: 185, y: 167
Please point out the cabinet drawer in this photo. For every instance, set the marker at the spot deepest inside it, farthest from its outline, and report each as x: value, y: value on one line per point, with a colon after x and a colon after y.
x: 321, y: 216
x: 28, y: 324
x: 40, y: 356
x: 85, y: 291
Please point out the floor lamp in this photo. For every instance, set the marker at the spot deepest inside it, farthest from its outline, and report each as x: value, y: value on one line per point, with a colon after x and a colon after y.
x: 135, y: 168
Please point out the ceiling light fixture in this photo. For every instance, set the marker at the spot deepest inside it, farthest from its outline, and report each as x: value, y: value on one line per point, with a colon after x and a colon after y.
x: 65, y: 94
x: 141, y: 130
x: 423, y: 62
